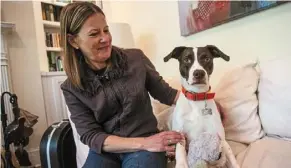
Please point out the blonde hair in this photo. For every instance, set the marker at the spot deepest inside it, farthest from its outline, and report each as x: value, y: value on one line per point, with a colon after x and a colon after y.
x: 72, y: 19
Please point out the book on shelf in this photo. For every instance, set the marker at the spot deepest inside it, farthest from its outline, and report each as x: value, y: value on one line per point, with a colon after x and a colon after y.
x: 55, y: 61
x: 52, y: 39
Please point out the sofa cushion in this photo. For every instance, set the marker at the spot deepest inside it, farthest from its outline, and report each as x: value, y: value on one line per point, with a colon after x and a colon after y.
x: 266, y: 153
x: 236, y: 94
x: 275, y: 96
x: 237, y: 147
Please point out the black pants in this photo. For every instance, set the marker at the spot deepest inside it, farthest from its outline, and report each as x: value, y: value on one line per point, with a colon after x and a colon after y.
x: 140, y: 159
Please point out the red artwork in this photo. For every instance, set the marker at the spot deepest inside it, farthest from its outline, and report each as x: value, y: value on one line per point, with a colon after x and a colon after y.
x: 196, y: 16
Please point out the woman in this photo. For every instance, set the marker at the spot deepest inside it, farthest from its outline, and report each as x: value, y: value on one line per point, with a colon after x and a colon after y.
x: 107, y: 94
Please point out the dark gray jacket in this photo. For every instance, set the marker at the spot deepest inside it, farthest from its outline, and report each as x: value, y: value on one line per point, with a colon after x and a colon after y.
x: 117, y: 102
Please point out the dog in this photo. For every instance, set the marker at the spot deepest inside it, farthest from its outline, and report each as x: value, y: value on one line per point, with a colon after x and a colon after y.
x: 196, y: 111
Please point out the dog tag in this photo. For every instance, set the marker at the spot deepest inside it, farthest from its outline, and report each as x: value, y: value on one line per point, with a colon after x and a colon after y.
x: 206, y: 111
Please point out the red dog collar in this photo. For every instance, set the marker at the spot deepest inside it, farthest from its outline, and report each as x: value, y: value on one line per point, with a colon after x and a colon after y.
x: 198, y: 96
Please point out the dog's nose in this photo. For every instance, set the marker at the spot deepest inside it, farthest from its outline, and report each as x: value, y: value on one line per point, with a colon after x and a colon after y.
x: 199, y: 74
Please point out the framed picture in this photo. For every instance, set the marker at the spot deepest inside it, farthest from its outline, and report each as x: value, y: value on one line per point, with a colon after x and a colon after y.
x: 198, y: 15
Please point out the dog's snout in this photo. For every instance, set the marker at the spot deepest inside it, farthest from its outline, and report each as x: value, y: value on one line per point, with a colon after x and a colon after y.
x: 199, y: 74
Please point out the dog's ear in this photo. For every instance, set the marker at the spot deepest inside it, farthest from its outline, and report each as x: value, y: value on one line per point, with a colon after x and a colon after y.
x: 217, y: 53
x: 176, y: 53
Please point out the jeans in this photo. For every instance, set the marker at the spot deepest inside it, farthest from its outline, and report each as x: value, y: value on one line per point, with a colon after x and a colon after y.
x: 140, y: 159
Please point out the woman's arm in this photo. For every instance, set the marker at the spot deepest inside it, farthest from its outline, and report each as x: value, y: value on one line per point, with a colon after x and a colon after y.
x: 156, y: 85
x: 92, y: 133
x: 157, y: 143
x: 116, y: 144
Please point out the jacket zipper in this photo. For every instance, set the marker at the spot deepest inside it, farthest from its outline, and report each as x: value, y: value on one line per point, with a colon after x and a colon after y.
x: 118, y: 101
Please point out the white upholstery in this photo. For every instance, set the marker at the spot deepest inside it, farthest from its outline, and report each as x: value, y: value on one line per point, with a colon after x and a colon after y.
x: 81, y: 149
x: 275, y: 96
x: 266, y: 153
x: 274, y: 109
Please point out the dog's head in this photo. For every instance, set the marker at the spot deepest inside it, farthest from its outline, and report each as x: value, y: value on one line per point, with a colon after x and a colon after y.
x: 196, y: 65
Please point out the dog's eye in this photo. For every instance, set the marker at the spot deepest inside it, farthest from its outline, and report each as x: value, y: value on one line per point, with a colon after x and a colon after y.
x: 187, y: 60
x: 206, y: 59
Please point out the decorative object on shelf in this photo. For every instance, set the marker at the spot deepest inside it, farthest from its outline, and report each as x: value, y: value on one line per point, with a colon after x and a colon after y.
x: 54, y: 61
x: 51, y: 12
x: 197, y: 16
x: 121, y: 35
x: 17, y: 132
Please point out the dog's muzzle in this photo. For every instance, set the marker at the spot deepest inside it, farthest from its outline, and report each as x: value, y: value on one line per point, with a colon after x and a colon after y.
x: 199, y: 77
x: 199, y: 74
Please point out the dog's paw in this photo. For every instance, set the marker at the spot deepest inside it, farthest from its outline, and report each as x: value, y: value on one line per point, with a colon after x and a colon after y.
x: 180, y: 150
x: 181, y: 156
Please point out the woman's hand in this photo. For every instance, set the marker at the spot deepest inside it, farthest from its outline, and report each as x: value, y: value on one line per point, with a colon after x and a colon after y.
x: 164, y: 141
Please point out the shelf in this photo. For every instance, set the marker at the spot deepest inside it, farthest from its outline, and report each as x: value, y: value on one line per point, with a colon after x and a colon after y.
x: 55, y: 49
x: 54, y: 73
x: 50, y: 24
x: 60, y: 3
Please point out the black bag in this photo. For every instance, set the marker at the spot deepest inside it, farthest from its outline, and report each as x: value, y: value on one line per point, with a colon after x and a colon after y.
x: 57, y: 146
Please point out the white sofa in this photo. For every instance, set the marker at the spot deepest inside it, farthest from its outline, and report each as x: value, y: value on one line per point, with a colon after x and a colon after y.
x: 256, y: 100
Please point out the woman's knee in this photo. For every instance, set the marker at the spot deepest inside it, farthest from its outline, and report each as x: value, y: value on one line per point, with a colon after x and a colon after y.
x: 145, y: 159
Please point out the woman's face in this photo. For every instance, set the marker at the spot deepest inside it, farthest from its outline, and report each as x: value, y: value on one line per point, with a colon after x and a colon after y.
x: 94, y: 39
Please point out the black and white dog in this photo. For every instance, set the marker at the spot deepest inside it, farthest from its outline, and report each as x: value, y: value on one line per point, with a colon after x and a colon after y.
x: 196, y: 111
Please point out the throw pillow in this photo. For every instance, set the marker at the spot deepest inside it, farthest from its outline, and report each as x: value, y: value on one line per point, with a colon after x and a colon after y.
x: 236, y: 94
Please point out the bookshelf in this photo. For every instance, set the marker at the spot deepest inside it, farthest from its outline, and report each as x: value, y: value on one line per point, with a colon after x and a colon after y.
x: 50, y: 12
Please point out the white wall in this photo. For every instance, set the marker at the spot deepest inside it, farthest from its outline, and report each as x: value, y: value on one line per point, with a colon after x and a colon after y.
x: 155, y: 25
